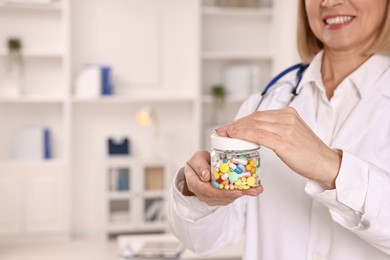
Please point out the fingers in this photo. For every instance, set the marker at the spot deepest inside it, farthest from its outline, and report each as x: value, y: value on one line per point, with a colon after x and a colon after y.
x: 206, y: 193
x: 292, y: 140
x: 281, y: 117
x: 199, y: 184
x: 256, y: 191
x: 200, y: 164
x: 271, y: 128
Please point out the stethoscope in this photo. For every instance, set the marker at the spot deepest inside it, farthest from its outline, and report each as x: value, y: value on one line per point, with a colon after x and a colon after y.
x: 301, y: 67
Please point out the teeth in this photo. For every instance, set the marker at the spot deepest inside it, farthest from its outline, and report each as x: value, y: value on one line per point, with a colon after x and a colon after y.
x: 338, y: 20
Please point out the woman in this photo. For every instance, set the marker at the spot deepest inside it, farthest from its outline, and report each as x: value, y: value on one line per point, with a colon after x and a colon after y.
x: 325, y: 158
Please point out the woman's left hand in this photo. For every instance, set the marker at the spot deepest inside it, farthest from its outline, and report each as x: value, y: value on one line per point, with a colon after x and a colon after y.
x: 284, y: 132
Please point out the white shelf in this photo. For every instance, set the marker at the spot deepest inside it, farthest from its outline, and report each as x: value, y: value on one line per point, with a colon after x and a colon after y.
x: 17, y: 164
x: 238, y: 11
x: 113, y: 195
x: 208, y: 55
x: 132, y: 99
x: 147, y: 194
x: 38, y: 54
x: 125, y: 226
x: 208, y: 99
x: 55, y: 6
x: 32, y: 100
x: 153, y: 194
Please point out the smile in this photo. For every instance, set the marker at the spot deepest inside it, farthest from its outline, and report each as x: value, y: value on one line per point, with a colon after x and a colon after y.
x: 338, y: 20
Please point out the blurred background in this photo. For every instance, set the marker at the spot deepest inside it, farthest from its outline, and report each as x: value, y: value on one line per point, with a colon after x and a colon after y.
x: 102, y: 101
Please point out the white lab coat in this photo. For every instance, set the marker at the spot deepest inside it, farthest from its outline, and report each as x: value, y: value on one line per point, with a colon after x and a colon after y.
x: 295, y: 218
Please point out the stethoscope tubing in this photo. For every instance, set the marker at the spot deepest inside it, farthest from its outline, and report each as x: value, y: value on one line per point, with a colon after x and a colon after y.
x: 301, y: 67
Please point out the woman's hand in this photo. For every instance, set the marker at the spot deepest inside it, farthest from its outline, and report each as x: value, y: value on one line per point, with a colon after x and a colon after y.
x: 197, y: 182
x: 284, y: 132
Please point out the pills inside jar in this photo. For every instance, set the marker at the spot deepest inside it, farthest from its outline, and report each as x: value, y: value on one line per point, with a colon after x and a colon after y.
x: 235, y: 164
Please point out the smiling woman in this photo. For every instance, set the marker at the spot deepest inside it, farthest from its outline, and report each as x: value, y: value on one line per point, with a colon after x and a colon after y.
x: 325, y: 159
x: 309, y: 44
x: 347, y: 31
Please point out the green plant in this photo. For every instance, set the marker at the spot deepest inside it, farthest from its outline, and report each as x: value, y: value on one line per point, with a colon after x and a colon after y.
x: 218, y: 93
x: 15, y: 47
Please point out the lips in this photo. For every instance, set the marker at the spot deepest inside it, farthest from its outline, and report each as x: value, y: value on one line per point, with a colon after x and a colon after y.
x: 338, y: 20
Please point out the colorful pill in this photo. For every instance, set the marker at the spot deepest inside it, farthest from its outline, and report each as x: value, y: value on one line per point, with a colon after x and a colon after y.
x: 233, y: 177
x: 245, y: 174
x: 242, y: 167
x: 225, y: 176
x: 251, y: 181
x: 232, y: 166
x: 252, y: 162
x: 232, y: 170
x: 239, y: 161
x: 224, y: 168
x: 215, y: 184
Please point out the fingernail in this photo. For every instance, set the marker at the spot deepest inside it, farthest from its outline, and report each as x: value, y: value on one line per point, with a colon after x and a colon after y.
x: 231, y: 132
x: 221, y: 128
x: 205, y: 174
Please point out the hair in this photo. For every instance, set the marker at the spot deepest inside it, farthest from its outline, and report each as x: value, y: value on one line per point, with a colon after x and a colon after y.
x: 309, y: 45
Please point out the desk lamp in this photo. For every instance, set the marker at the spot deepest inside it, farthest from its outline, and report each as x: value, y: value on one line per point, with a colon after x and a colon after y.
x: 147, y: 116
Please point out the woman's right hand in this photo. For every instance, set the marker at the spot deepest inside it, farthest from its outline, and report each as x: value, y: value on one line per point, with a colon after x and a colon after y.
x: 197, y: 183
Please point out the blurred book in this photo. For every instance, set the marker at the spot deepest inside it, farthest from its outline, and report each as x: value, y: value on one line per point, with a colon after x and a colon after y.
x: 119, y: 179
x: 93, y: 81
x: 154, y: 210
x: 123, y: 179
x: 32, y: 143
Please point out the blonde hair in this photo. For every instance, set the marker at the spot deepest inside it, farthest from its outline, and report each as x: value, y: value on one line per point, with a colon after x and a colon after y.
x: 309, y: 45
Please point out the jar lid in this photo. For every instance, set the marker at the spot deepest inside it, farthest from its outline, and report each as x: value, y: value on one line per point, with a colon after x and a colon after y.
x: 231, y: 144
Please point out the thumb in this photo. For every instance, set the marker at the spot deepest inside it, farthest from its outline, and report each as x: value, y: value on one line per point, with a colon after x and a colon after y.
x: 200, y: 164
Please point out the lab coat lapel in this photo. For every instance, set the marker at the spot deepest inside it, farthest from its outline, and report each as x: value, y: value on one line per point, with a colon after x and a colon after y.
x: 361, y: 118
x: 374, y: 88
x: 305, y: 104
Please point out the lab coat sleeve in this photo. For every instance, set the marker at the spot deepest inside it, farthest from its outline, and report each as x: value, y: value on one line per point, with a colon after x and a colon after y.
x: 204, y: 229
x: 361, y: 200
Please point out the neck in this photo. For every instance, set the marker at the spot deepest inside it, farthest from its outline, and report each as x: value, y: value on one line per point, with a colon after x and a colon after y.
x: 337, y: 66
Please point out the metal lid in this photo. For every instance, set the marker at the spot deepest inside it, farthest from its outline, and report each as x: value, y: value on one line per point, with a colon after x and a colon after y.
x: 231, y: 144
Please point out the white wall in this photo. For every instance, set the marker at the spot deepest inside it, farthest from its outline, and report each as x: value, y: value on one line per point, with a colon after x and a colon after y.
x: 152, y: 46
x: 285, y: 34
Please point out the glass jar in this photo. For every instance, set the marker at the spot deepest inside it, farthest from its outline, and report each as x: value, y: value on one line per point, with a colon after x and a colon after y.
x: 235, y: 164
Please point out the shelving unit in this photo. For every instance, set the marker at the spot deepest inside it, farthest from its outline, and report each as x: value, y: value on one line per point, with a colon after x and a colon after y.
x: 170, y: 68
x: 36, y: 193
x: 233, y: 36
x: 136, y: 192
x: 154, y: 63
